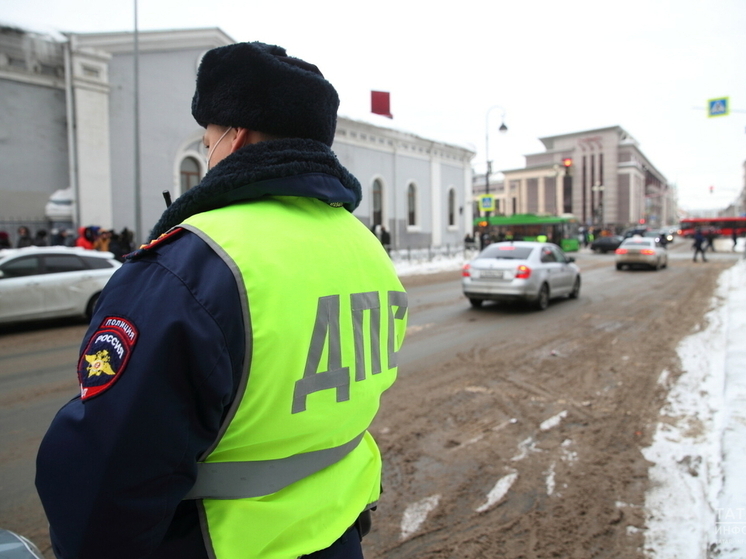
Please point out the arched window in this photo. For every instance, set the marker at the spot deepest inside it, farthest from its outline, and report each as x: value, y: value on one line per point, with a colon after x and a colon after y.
x: 377, y: 203
x: 451, y: 207
x: 411, y: 204
x: 189, y: 173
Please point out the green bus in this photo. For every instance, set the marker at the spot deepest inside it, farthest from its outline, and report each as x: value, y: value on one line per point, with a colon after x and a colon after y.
x: 561, y: 230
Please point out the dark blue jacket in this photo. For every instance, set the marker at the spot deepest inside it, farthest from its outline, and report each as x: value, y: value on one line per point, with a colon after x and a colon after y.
x: 112, y: 470
x: 159, y: 367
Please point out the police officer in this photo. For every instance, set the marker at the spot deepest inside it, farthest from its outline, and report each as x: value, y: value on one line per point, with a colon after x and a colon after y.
x: 227, y: 383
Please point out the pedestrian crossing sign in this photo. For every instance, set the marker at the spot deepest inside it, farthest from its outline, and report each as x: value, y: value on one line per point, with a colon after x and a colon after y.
x: 486, y: 202
x: 717, y: 107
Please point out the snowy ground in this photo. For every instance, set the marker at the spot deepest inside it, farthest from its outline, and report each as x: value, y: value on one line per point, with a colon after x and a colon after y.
x: 409, y: 265
x: 696, y: 506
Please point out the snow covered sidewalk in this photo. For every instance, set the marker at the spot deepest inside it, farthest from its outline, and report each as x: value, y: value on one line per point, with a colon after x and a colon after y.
x: 696, y: 507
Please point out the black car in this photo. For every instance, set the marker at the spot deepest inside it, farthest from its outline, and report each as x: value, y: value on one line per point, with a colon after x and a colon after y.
x: 606, y: 244
x: 632, y: 231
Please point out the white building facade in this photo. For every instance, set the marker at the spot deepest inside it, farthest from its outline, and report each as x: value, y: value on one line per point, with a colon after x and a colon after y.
x: 69, y: 104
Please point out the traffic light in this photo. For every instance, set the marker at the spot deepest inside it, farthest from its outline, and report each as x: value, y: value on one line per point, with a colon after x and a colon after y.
x: 567, y: 162
x: 711, y: 189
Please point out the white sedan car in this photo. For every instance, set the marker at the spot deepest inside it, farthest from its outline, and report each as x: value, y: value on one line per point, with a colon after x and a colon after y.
x: 642, y: 251
x: 520, y: 271
x: 52, y: 282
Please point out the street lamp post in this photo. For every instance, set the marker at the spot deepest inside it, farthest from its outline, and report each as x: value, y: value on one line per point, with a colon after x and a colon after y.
x: 502, y: 129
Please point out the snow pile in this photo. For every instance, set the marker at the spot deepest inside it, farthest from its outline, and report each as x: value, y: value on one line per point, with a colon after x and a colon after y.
x: 440, y: 264
x: 697, y: 502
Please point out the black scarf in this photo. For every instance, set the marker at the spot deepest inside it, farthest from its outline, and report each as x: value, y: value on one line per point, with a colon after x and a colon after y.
x: 235, y: 178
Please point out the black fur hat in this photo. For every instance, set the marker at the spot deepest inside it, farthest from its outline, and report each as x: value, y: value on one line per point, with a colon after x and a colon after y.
x: 260, y: 87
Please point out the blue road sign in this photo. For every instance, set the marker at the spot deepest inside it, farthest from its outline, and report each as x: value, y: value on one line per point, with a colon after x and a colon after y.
x: 717, y: 107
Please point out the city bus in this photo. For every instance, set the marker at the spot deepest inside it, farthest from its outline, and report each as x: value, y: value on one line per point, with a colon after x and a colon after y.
x: 721, y: 226
x: 561, y: 230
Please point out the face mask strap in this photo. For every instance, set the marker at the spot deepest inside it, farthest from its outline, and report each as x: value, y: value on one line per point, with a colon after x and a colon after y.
x: 215, y: 145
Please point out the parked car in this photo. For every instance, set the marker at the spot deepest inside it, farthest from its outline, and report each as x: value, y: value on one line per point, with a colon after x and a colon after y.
x: 606, y: 244
x: 525, y: 271
x: 642, y: 251
x: 52, y: 282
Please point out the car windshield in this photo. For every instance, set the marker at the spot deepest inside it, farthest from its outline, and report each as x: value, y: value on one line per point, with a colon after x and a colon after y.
x: 638, y: 242
x: 506, y: 252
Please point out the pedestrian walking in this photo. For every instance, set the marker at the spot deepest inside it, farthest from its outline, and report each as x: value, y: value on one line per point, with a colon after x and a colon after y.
x: 227, y: 383
x: 385, y: 239
x: 710, y: 241
x: 699, y: 241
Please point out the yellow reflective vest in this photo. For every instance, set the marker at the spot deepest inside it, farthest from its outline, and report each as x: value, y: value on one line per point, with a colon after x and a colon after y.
x: 325, y: 316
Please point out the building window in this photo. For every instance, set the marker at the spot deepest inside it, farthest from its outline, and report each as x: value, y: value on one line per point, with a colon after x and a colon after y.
x: 411, y: 204
x: 567, y: 194
x: 377, y: 203
x: 91, y: 71
x: 451, y: 207
x: 189, y: 173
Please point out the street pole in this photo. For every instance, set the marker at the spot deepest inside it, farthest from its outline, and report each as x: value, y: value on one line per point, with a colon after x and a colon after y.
x: 502, y: 129
x: 138, y: 218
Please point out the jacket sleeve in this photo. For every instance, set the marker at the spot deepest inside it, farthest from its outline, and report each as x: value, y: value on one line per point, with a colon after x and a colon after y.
x: 158, y: 370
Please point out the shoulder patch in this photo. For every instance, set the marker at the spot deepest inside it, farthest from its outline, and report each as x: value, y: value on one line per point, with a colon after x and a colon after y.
x: 106, y: 356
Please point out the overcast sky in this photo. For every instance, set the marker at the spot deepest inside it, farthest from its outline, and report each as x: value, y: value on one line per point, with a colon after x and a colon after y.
x: 648, y: 66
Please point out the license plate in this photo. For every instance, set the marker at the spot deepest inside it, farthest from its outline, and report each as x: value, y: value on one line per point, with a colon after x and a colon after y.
x: 493, y: 274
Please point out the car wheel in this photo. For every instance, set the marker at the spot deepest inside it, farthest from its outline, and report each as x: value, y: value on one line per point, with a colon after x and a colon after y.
x: 542, y: 301
x: 91, y: 307
x: 575, y: 289
x: 476, y: 303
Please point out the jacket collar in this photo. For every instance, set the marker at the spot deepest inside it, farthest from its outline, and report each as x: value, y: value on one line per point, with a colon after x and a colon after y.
x: 287, y: 167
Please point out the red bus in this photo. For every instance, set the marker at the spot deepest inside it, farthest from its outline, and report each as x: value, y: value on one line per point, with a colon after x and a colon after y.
x: 722, y: 226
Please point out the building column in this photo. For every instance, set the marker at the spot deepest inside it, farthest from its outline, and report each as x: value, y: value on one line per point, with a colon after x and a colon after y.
x: 436, y: 204
x: 90, y: 86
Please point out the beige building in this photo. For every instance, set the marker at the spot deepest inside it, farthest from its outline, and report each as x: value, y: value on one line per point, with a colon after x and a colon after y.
x: 600, y: 176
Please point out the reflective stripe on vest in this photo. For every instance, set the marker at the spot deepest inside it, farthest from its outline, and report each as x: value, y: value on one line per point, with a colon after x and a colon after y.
x: 241, y: 480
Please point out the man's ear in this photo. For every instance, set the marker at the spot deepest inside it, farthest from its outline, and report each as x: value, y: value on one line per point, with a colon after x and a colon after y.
x: 244, y: 137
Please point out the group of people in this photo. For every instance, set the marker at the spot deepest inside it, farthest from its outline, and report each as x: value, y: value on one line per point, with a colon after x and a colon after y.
x: 705, y: 240
x: 91, y: 238
x: 25, y: 239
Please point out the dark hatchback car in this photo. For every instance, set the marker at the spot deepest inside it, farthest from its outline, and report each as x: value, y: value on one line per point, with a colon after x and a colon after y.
x: 606, y: 244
